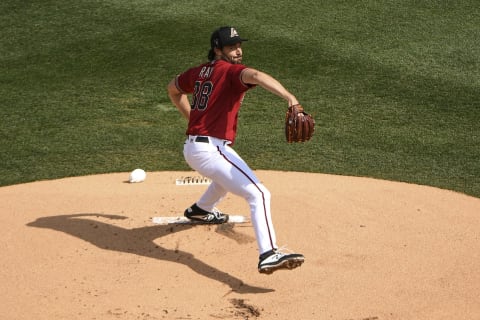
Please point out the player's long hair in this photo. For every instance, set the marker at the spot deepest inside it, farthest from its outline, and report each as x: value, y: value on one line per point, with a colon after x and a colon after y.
x: 211, y: 55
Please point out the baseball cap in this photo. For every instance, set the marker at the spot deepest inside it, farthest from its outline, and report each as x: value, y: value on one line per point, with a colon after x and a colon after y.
x: 225, y: 36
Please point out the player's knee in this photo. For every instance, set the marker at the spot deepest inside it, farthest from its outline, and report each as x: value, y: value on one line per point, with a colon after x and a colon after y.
x: 266, y: 194
x: 258, y: 193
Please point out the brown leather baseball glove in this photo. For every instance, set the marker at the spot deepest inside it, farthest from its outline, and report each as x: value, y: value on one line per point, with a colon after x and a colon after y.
x: 299, y: 125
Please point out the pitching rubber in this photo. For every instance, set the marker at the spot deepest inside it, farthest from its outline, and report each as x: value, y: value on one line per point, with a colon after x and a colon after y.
x: 185, y: 220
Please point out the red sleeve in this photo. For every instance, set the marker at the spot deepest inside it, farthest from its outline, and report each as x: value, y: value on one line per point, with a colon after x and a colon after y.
x: 186, y: 81
x: 235, y: 71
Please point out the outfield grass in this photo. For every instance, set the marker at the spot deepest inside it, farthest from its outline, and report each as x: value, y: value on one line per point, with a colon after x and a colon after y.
x: 394, y: 86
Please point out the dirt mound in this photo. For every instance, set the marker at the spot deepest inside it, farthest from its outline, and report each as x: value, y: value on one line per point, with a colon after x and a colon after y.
x: 85, y: 248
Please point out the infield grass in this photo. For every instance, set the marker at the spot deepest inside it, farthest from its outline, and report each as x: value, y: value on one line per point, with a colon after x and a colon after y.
x: 394, y: 86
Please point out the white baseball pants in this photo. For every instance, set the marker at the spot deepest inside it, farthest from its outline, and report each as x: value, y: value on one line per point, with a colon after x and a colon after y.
x: 215, y: 159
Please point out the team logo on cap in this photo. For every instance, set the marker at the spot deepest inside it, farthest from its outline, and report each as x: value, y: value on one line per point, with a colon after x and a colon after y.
x: 233, y: 33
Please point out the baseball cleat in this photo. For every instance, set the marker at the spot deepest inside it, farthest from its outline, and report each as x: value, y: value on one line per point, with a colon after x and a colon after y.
x: 274, y: 260
x: 195, y: 213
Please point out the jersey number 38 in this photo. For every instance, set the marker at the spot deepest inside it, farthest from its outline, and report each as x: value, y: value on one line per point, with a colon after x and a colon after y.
x: 201, y: 94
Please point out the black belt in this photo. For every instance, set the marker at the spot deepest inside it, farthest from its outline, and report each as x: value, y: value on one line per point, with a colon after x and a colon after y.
x: 206, y: 140
x: 202, y: 139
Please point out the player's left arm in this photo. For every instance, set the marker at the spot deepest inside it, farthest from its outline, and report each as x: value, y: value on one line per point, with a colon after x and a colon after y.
x: 256, y: 77
x: 179, y: 99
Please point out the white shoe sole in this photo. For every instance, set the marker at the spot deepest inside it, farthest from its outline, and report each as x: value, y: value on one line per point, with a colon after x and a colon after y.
x: 286, y: 264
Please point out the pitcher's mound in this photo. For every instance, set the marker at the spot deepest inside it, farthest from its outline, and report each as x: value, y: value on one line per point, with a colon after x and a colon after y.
x: 86, y: 248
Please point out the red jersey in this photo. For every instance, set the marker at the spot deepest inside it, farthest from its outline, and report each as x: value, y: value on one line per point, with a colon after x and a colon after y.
x: 217, y: 94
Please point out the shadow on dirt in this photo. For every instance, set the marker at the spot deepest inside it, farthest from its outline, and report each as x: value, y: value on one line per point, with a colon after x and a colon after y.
x: 139, y: 241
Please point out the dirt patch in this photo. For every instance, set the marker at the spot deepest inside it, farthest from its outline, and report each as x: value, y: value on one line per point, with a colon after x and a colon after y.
x: 86, y: 248
x: 244, y: 309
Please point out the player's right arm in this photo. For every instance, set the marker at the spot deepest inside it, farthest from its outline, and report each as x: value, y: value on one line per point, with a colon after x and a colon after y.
x: 179, y: 99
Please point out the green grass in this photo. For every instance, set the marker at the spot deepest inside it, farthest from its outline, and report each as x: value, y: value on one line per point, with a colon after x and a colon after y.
x: 394, y: 86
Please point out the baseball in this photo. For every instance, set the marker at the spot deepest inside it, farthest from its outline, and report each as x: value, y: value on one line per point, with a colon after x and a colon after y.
x: 137, y: 175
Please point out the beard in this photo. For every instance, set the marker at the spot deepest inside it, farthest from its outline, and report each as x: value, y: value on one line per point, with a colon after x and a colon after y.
x: 236, y: 60
x: 232, y: 59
